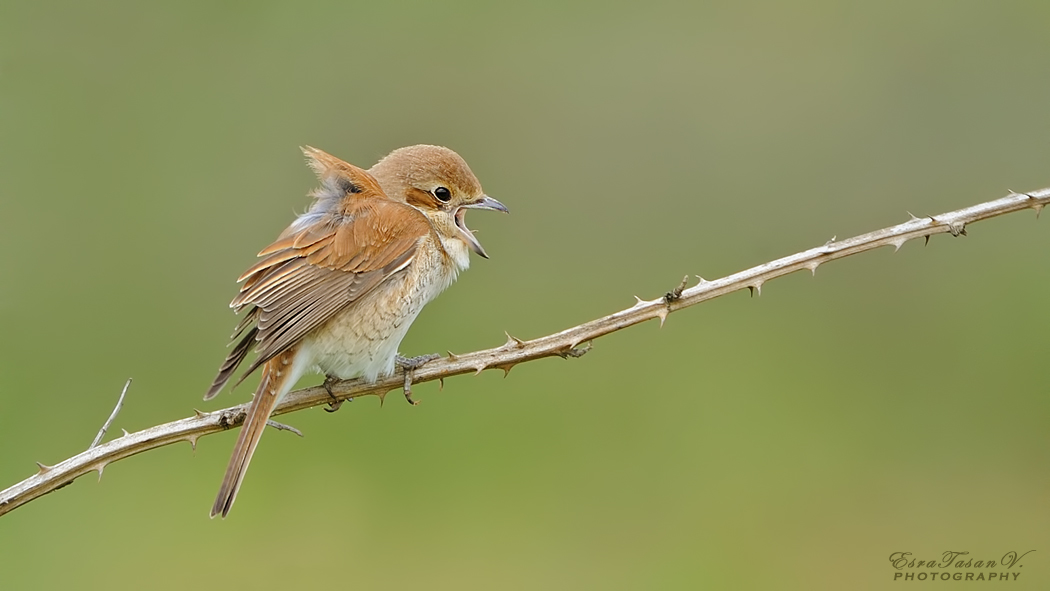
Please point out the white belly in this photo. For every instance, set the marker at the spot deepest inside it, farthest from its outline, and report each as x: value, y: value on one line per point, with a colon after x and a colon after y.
x: 363, y: 338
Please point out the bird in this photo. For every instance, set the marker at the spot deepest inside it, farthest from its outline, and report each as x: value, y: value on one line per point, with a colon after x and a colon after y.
x: 339, y: 288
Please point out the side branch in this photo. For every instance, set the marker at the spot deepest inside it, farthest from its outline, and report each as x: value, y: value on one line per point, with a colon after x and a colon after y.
x: 563, y: 344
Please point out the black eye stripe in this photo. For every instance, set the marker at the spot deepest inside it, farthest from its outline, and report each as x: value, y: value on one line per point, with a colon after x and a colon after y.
x: 443, y: 194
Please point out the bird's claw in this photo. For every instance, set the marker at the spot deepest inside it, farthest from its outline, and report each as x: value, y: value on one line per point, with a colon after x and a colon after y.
x: 409, y: 365
x: 335, y: 402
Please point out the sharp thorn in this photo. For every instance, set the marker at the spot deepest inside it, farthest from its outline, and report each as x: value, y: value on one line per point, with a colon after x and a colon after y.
x: 198, y: 414
x: 927, y: 237
x: 193, y: 442
x: 639, y: 301
x: 441, y: 384
x: 702, y: 280
x: 897, y: 244
x: 452, y: 356
x: 912, y: 216
x: 43, y: 468
x: 125, y: 432
x: 100, y: 469
x: 662, y: 314
x: 479, y: 368
x: 513, y: 341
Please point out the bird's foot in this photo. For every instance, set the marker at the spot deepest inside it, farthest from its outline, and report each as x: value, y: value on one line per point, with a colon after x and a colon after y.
x: 409, y: 365
x: 335, y: 403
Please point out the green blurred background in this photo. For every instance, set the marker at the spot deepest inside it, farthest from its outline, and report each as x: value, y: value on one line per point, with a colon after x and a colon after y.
x: 896, y: 402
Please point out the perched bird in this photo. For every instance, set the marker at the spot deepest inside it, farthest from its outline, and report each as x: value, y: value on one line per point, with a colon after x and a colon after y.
x: 339, y: 288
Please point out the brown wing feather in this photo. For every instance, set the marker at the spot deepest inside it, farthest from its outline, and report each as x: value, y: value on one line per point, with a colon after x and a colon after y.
x: 309, y: 274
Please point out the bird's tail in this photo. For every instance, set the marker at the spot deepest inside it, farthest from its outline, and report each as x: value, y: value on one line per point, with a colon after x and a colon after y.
x: 279, y: 375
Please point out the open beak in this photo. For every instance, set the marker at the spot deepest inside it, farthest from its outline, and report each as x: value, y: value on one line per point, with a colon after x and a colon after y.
x: 488, y: 203
x: 485, y: 203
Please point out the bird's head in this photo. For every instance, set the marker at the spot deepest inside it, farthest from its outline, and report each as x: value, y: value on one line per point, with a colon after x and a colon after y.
x: 438, y: 182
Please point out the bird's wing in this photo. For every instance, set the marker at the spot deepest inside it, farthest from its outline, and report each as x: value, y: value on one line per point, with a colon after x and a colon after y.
x: 315, y: 270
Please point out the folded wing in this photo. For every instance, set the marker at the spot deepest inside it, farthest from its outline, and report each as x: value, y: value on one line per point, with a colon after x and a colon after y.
x: 344, y: 247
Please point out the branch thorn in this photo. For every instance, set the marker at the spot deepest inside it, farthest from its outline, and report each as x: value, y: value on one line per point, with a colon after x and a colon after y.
x: 1038, y: 207
x: 927, y: 237
x: 897, y: 244
x: 125, y: 433
x: 198, y: 414
x: 43, y: 468
x: 662, y: 314
x: 452, y: 356
x: 513, y: 341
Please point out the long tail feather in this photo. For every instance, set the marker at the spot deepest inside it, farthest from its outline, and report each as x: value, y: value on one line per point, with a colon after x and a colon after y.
x: 279, y: 375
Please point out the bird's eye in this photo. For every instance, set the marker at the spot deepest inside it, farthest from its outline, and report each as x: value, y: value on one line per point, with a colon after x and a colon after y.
x: 442, y: 194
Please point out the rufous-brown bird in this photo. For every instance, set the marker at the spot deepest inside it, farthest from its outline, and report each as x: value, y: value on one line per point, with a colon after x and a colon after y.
x: 339, y: 288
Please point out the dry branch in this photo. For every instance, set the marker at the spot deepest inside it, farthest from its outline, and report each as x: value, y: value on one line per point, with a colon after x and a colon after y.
x: 112, y: 416
x: 563, y: 344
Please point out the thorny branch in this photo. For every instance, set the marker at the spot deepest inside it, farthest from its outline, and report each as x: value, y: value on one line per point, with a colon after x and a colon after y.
x: 564, y: 344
